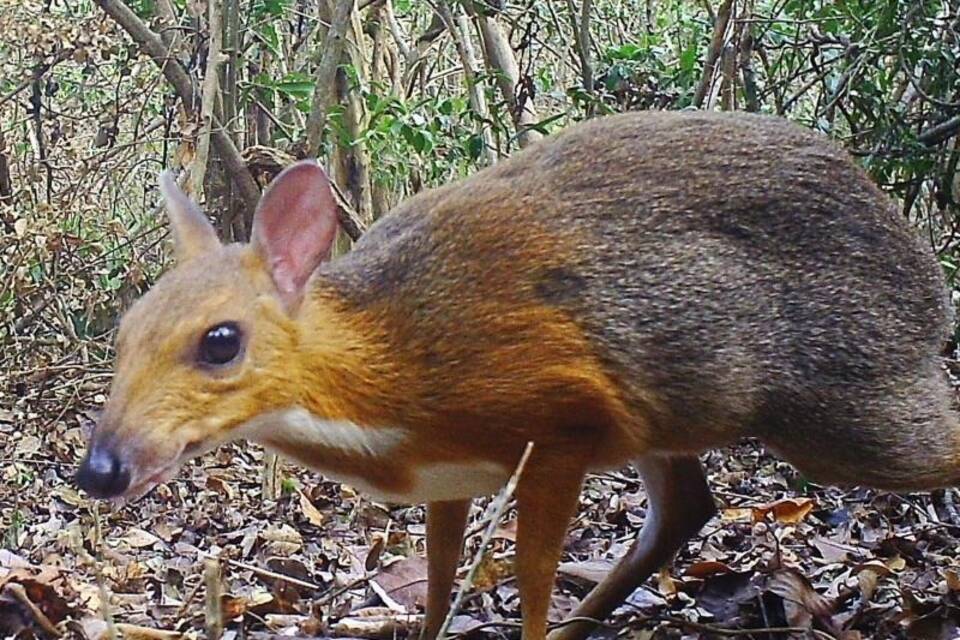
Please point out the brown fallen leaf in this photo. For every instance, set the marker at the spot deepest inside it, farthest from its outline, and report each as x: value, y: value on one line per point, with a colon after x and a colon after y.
x: 140, y: 539
x: 706, y: 568
x: 588, y: 571
x: 28, y: 611
x: 666, y: 585
x: 372, y: 560
x: 785, y: 511
x: 310, y: 512
x: 42, y: 587
x: 796, y: 589
x: 27, y: 446
x: 232, y: 606
x: 220, y: 485
x: 491, y: 571
x: 952, y: 579
x: 281, y: 541
x: 404, y: 582
x: 282, y: 621
x: 832, y: 551
x: 737, y: 515
x: 868, y: 577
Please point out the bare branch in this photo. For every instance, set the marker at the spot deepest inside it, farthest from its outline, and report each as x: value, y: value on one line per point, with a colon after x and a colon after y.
x: 581, y: 32
x: 500, y: 57
x: 459, y: 29
x: 940, y: 132
x: 325, y: 90
x: 198, y: 167
x: 713, y: 53
x: 151, y: 44
x: 496, y: 509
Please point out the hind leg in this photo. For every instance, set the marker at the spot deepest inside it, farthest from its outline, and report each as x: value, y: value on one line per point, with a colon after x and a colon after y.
x: 679, y: 504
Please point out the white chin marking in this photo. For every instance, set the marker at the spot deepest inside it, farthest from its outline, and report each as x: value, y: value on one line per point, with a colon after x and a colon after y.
x: 296, y: 429
x: 441, y: 481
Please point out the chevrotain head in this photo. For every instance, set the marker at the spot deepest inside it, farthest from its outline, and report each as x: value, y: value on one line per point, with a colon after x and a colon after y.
x: 208, y: 348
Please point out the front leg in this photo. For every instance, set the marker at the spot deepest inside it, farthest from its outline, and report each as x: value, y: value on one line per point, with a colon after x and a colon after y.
x: 547, y: 496
x: 446, y: 522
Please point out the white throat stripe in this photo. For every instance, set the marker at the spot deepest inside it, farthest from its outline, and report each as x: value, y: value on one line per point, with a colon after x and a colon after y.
x: 299, y: 428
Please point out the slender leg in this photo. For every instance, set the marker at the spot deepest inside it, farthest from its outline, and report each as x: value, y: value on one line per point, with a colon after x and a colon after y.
x: 679, y: 504
x: 446, y: 522
x: 547, y: 497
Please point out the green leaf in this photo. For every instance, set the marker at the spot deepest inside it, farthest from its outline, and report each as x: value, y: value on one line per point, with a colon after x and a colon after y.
x: 475, y: 146
x: 296, y: 88
x: 688, y: 58
x: 268, y: 32
x: 145, y: 9
x: 275, y: 8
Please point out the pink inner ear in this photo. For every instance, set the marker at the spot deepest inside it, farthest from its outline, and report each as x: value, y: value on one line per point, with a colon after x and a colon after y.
x: 295, y: 225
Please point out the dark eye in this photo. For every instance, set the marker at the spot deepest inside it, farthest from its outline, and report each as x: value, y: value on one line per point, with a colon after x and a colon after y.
x: 221, y: 344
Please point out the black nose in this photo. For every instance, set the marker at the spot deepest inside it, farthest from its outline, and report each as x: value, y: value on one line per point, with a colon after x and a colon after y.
x: 102, y: 474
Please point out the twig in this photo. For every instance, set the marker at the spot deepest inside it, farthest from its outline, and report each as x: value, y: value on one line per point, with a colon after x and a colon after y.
x: 352, y: 225
x: 264, y: 572
x: 497, y: 507
x: 347, y: 587
x: 186, y: 602
x: 213, y: 611
x: 409, y: 54
x: 459, y: 28
x: 43, y: 68
x: 111, y: 632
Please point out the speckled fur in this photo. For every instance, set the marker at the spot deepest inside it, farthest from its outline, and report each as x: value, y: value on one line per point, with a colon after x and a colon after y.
x: 736, y: 275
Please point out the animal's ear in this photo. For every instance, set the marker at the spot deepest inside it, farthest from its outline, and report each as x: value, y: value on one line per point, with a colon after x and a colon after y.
x: 192, y: 232
x: 295, y: 226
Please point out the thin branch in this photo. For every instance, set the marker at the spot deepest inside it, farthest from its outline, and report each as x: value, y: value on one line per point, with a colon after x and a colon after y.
x: 42, y: 69
x: 213, y: 612
x: 208, y: 99
x: 713, y: 53
x: 500, y: 57
x: 459, y: 29
x: 349, y: 219
x: 409, y: 54
x: 325, y: 90
x: 151, y: 44
x: 497, y: 507
x: 940, y: 132
x: 263, y: 572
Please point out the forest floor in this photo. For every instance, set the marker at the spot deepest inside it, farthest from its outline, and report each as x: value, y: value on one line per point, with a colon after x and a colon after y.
x: 324, y: 560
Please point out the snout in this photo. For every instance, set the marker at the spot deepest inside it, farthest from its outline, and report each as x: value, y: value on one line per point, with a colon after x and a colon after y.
x: 103, y: 473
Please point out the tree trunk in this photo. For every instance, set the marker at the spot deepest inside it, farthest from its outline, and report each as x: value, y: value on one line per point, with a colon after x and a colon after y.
x: 500, y: 58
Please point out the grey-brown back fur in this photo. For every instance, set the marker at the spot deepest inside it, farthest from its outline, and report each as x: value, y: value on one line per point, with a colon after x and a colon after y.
x: 739, y: 268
